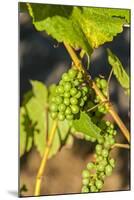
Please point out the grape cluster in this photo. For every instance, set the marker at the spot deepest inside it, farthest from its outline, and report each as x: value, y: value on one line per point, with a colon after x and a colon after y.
x: 70, y: 96
x: 94, y: 174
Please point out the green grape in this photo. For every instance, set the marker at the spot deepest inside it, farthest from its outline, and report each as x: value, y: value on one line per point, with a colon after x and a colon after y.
x: 68, y: 111
x: 93, y: 188
x: 114, y: 132
x: 101, y: 140
x: 108, y: 123
x: 85, y: 181
x: 103, y: 83
x: 73, y: 91
x: 93, y: 139
x: 101, y: 109
x: 90, y: 166
x: 108, y: 170
x: 66, y: 101
x: 69, y: 117
x: 60, y: 89
x: 78, y: 95
x: 107, y: 144
x: 85, y: 174
x: 99, y: 158
x: 75, y: 109
x: 65, y: 77
x: 62, y: 107
x: 112, y: 141
x: 67, y: 86
x: 105, y: 153
x: 111, y: 126
x: 73, y: 100
x: 76, y: 82
x: 84, y: 189
x: 72, y: 73
x: 112, y: 162
x: 58, y: 100
x: 61, y: 116
x: 53, y: 107
x: 79, y: 76
x: 99, y: 184
x: 87, y: 137
x: 53, y: 99
x: 100, y: 167
x: 82, y: 102
x: 98, y: 149
x: 67, y: 94
x: 54, y: 115
x: 85, y: 98
x: 61, y: 82
x: 103, y: 162
x: 85, y: 88
x: 102, y: 175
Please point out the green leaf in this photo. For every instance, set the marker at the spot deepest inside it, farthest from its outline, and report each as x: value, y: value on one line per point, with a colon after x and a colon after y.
x: 86, y: 126
x: 81, y: 27
x: 119, y: 71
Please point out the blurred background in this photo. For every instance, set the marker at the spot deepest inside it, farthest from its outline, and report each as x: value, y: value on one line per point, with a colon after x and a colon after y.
x: 43, y: 59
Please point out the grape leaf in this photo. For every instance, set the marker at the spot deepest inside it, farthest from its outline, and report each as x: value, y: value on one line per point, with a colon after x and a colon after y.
x: 86, y: 126
x: 118, y: 70
x: 81, y: 27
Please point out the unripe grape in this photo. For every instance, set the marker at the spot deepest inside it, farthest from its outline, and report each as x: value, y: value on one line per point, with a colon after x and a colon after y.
x: 82, y: 102
x: 65, y: 77
x: 112, y: 141
x: 107, y: 144
x: 73, y: 100
x: 93, y: 139
x: 73, y: 91
x: 69, y: 117
x: 67, y: 94
x: 85, y: 98
x: 67, y: 86
x: 93, y: 188
x: 99, y: 158
x: 66, y: 101
x: 60, y: 89
x: 58, y: 99
x: 87, y: 137
x: 90, y: 166
x: 85, y: 88
x: 99, y: 184
x: 61, y: 82
x: 53, y: 107
x: 68, y: 111
x: 75, y: 109
x: 100, y: 167
x: 103, y: 83
x: 61, y: 116
x: 76, y: 82
x: 105, y: 153
x: 54, y: 115
x: 62, y: 107
x: 85, y: 174
x: 53, y: 99
x: 85, y: 189
x: 108, y: 170
x: 72, y: 73
x: 78, y: 95
x: 98, y: 149
x: 101, y: 140
x: 85, y: 181
x: 79, y: 76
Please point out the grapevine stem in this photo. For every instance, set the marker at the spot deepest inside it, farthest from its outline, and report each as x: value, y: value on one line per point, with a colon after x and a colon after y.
x: 126, y: 146
x: 109, y: 106
x: 44, y: 160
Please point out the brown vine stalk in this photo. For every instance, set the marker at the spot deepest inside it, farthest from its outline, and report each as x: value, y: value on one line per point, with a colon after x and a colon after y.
x: 109, y: 106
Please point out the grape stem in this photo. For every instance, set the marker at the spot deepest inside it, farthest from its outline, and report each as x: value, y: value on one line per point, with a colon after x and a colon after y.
x: 90, y: 109
x: 44, y: 159
x: 125, y: 146
x: 92, y: 84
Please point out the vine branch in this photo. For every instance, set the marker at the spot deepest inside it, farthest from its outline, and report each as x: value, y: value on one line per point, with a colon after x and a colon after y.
x: 109, y: 106
x: 125, y: 146
x: 44, y: 160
